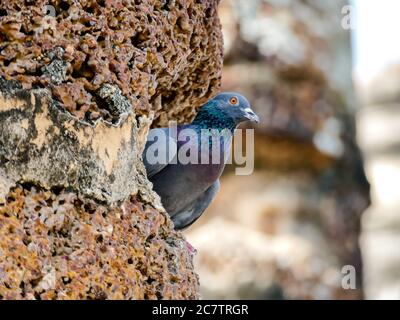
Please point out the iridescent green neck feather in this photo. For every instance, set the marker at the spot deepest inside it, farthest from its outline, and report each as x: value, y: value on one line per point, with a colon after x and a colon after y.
x: 210, y: 116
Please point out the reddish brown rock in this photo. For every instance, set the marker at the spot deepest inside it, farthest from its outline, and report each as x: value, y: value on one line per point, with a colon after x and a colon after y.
x: 57, y: 245
x: 80, y: 84
x: 165, y: 56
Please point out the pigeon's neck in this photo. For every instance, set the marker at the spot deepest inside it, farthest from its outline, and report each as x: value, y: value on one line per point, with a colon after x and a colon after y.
x: 210, y: 118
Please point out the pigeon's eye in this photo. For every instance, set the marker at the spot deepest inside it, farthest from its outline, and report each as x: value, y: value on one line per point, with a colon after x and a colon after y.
x: 234, y: 101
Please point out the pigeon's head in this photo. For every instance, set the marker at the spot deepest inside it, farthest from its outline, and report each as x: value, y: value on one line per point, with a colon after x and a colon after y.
x: 226, y: 110
x: 235, y: 106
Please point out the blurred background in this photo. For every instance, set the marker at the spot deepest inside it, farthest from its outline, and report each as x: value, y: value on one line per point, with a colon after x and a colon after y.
x: 324, y: 78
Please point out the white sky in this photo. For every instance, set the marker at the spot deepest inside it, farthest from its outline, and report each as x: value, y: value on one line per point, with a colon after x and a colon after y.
x: 376, y: 37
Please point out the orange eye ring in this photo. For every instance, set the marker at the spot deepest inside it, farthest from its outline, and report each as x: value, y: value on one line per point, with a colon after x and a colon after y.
x: 234, y: 101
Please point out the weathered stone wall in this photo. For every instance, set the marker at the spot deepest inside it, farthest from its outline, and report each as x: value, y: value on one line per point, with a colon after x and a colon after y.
x: 165, y: 56
x: 378, y: 135
x: 81, y: 82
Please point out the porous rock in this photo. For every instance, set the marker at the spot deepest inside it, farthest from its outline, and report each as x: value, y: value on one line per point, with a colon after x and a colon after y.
x: 42, y: 144
x: 57, y: 245
x: 81, y: 82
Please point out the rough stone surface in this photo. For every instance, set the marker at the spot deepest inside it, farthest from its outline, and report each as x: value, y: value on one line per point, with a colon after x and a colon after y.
x: 78, y: 218
x: 57, y: 245
x: 81, y: 82
x: 165, y: 56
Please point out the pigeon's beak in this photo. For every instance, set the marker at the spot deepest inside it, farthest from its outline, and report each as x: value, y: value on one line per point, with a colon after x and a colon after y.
x: 250, y: 115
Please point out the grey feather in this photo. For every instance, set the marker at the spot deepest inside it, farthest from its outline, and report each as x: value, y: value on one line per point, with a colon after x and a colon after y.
x: 194, y: 210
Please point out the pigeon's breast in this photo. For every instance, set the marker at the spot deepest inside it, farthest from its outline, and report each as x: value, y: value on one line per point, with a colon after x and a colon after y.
x: 195, y: 168
x: 178, y: 185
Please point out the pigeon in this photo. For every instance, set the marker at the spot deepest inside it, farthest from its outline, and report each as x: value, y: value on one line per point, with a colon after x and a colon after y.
x: 186, y: 188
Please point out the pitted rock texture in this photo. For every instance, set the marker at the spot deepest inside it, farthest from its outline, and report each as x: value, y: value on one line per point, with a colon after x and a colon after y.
x: 40, y: 143
x: 165, y: 56
x: 57, y: 245
x: 81, y: 82
x: 301, y: 209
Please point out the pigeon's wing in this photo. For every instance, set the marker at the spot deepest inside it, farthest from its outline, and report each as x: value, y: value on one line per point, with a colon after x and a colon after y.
x: 159, y: 151
x: 193, y: 211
